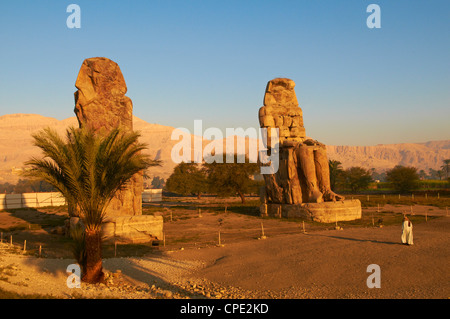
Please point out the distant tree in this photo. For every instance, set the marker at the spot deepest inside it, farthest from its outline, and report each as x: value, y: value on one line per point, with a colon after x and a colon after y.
x: 440, y: 174
x: 380, y: 176
x: 158, y: 182
x: 403, y: 178
x: 187, y: 178
x: 357, y: 178
x: 446, y: 167
x: 227, y: 179
x: 336, y: 173
x: 433, y: 174
x: 422, y: 174
x: 24, y: 186
x: 32, y: 186
x: 6, y: 188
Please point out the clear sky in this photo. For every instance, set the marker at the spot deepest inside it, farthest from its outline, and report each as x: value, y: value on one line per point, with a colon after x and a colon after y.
x: 211, y: 60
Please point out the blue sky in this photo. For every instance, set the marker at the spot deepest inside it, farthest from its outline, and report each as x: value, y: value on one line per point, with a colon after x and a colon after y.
x: 211, y: 60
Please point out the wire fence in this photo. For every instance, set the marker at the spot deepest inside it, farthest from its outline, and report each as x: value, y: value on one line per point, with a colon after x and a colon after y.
x: 372, y: 216
x: 7, y: 244
x: 217, y: 235
x: 226, y: 236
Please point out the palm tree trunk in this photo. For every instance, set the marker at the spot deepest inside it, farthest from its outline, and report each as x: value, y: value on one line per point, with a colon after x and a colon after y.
x: 241, y: 195
x: 94, y: 267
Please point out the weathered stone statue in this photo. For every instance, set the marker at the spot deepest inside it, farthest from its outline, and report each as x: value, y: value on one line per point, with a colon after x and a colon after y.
x: 101, y: 104
x: 303, y: 175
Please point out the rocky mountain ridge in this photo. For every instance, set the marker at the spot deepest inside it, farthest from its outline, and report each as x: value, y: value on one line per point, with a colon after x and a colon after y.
x: 16, y: 147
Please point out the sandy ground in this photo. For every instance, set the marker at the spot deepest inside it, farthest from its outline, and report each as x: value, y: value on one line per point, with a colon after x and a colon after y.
x: 318, y: 264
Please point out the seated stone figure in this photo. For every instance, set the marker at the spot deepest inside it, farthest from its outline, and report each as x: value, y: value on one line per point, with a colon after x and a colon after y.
x: 303, y: 175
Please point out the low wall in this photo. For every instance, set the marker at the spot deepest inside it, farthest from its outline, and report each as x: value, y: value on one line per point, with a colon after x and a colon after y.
x: 13, y: 201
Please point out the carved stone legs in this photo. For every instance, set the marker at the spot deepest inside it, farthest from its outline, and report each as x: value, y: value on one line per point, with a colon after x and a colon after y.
x: 307, y: 174
x: 323, y: 174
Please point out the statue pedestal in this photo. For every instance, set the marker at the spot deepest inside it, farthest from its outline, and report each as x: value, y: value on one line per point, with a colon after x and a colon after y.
x: 133, y: 229
x: 326, y: 212
x: 128, y: 229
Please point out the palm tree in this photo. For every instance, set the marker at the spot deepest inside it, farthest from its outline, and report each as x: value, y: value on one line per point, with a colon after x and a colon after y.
x: 422, y: 174
x: 336, y: 170
x: 88, y: 169
x: 446, y: 167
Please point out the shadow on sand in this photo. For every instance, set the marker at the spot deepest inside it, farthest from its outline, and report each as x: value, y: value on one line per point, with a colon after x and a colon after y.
x: 356, y: 239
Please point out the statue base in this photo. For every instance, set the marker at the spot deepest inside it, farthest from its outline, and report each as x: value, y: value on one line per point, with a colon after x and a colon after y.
x: 128, y: 229
x: 326, y: 212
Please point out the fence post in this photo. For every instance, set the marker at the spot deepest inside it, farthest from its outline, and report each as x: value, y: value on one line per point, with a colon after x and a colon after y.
x: 262, y: 232
x: 220, y: 242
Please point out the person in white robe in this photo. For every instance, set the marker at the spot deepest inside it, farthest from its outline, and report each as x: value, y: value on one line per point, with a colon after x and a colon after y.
x: 407, y: 232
